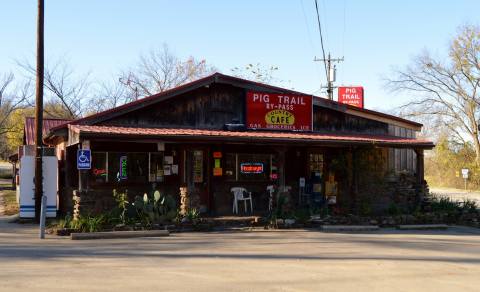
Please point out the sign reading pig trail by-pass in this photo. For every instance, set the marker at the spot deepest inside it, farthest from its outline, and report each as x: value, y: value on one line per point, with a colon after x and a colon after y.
x: 271, y: 111
x: 351, y: 95
x: 84, y: 159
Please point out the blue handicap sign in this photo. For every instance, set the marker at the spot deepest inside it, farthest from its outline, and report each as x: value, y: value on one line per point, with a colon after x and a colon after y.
x: 84, y: 159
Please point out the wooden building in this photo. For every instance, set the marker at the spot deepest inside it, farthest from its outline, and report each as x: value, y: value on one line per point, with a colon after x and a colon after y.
x: 207, y: 137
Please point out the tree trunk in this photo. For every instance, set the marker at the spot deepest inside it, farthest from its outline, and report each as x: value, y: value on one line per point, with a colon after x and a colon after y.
x: 476, y: 144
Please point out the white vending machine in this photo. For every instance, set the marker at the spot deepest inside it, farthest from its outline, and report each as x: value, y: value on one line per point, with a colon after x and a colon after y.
x: 26, y: 186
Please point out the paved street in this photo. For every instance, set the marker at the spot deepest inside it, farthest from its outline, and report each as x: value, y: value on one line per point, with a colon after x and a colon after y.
x: 247, y: 261
x: 457, y: 194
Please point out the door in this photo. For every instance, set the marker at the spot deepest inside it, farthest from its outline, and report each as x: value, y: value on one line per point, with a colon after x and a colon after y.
x: 197, y: 178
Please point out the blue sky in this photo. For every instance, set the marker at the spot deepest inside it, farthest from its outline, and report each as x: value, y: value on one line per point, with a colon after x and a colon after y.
x: 104, y: 37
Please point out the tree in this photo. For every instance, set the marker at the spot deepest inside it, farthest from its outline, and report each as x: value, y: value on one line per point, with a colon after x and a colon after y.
x: 160, y: 70
x: 447, y: 90
x: 109, y: 95
x: 256, y: 72
x: 12, y: 98
x: 259, y: 73
x: 66, y: 94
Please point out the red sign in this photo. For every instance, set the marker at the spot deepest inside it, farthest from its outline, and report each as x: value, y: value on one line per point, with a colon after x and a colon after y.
x: 270, y: 111
x: 351, y: 95
x: 251, y: 167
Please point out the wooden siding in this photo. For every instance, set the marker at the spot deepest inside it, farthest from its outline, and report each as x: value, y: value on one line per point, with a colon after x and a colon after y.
x: 218, y: 104
x: 401, y: 159
x: 208, y: 107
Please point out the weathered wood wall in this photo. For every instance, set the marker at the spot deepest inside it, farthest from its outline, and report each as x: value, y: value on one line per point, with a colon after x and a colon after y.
x: 214, y: 106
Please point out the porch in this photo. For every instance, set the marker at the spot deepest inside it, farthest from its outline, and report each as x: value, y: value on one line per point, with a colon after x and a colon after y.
x: 313, y: 170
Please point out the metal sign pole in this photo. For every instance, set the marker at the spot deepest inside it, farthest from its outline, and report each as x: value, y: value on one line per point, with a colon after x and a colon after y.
x: 43, y: 215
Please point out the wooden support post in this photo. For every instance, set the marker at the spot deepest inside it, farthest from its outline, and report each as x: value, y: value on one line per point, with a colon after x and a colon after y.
x: 354, y: 189
x: 281, y: 168
x: 420, y: 168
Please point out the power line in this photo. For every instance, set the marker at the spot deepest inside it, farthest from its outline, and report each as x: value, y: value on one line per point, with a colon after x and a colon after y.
x: 321, y: 39
x: 309, y: 34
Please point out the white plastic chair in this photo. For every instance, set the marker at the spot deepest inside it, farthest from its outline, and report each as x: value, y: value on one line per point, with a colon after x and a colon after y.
x: 241, y: 194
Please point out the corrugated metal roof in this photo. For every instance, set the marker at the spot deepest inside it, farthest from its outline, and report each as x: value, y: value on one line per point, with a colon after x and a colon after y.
x: 29, y: 130
x: 250, y: 136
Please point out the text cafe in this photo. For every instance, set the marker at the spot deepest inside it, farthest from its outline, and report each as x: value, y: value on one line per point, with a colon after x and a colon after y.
x: 234, y: 146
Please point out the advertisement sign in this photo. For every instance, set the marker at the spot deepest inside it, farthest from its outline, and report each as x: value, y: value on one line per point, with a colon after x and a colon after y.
x: 270, y: 111
x: 251, y: 167
x: 122, y: 174
x: 351, y: 95
x: 84, y: 159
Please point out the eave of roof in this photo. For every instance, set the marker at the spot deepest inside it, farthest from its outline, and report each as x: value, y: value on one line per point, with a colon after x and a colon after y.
x: 247, y: 136
x: 47, y: 125
x: 218, y: 78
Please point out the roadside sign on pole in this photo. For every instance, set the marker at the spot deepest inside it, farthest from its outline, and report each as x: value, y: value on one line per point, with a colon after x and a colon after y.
x: 464, y: 172
x: 84, y: 159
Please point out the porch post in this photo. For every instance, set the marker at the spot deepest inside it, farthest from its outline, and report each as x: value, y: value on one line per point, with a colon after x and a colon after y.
x: 281, y: 168
x: 14, y: 172
x: 354, y: 186
x: 420, y: 168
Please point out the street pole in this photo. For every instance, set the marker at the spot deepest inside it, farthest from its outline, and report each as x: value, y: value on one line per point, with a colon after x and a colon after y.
x: 39, y: 111
x: 330, y: 73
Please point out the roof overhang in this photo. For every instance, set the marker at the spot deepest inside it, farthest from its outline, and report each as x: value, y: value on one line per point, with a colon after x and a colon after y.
x: 77, y: 133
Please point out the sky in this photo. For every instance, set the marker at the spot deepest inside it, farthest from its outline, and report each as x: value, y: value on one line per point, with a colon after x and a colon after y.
x: 374, y: 36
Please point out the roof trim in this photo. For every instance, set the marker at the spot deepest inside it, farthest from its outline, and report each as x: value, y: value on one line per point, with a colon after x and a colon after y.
x: 177, y: 134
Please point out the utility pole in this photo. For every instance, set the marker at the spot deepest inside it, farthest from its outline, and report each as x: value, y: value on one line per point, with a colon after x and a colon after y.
x: 331, y: 73
x: 39, y: 111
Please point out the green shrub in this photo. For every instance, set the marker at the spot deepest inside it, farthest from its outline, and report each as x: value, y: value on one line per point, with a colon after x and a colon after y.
x: 470, y: 206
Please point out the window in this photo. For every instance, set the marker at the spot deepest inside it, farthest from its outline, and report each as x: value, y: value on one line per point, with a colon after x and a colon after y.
x: 255, y: 167
x: 137, y: 167
x: 156, y: 167
x: 250, y: 167
x: 230, y: 166
x: 131, y: 167
x: 316, y: 165
x: 198, y: 166
x: 98, y: 172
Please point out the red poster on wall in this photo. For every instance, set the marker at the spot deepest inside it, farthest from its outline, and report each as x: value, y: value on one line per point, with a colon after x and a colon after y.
x: 351, y: 95
x: 270, y: 111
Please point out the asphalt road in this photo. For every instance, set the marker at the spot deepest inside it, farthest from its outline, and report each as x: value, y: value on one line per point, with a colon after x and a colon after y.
x: 457, y: 194
x: 388, y: 260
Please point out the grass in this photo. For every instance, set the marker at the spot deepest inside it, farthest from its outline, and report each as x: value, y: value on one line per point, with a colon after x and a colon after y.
x: 5, y: 173
x: 10, y: 199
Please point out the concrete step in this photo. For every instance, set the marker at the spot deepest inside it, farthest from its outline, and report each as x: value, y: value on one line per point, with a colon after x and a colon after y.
x: 342, y: 228
x: 119, y: 234
x: 423, y: 227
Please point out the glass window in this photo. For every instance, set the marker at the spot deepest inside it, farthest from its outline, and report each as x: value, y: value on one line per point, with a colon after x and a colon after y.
x: 198, y: 166
x: 254, y: 167
x: 130, y: 167
x: 316, y: 165
x: 137, y: 167
x: 98, y: 172
x: 156, y: 167
x: 114, y: 166
x: 230, y: 166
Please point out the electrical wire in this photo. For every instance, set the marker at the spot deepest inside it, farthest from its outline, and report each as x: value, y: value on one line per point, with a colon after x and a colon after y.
x: 321, y: 39
x: 309, y: 34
